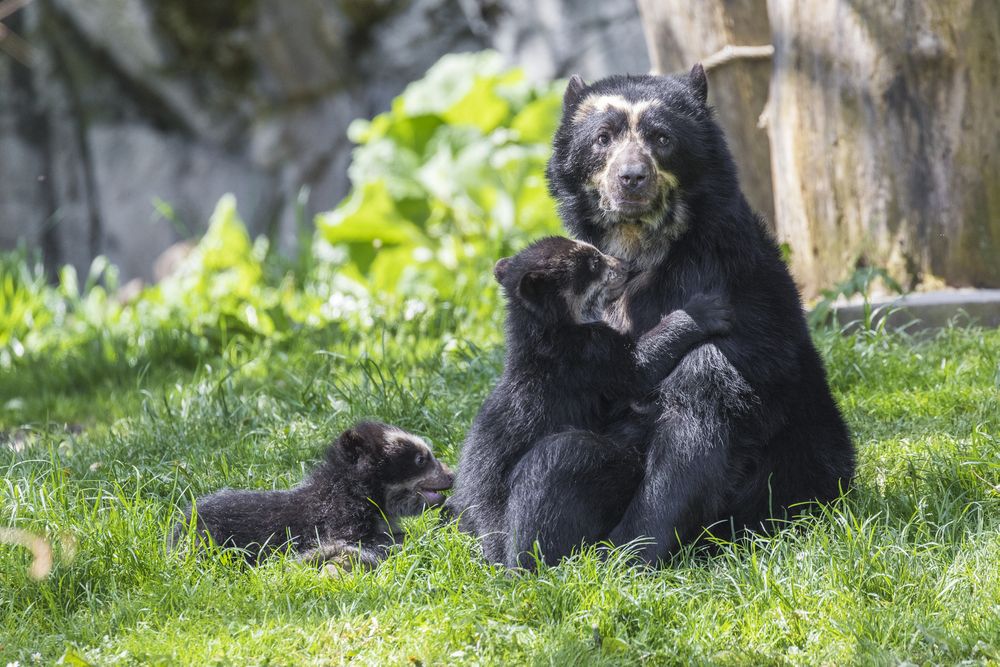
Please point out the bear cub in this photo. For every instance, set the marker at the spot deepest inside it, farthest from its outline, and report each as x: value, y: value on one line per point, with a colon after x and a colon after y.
x: 566, y: 368
x: 346, y: 510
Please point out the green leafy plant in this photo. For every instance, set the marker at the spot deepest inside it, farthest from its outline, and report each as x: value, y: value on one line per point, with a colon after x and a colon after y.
x: 23, y: 303
x: 35, y: 315
x: 447, y: 181
x: 219, y: 289
x: 444, y: 183
x: 860, y: 282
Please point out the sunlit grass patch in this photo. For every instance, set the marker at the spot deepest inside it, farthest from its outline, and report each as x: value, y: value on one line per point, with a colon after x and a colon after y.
x: 902, y: 569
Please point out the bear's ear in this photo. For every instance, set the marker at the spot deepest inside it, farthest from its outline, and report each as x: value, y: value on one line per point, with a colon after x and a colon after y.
x: 500, y: 269
x: 699, y: 83
x: 531, y: 288
x: 353, y: 445
x: 574, y: 90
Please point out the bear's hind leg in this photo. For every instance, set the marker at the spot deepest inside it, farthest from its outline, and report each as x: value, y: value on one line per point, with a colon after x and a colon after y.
x: 569, y: 490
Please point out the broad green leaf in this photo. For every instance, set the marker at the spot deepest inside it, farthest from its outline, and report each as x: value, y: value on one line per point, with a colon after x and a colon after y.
x: 447, y: 82
x: 68, y: 282
x: 368, y: 215
x: 388, y: 267
x: 537, y: 122
x: 414, y: 132
x: 481, y: 107
x: 384, y: 160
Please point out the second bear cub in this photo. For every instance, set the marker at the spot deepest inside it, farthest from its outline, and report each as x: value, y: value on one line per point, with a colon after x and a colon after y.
x: 346, y: 510
x: 566, y: 368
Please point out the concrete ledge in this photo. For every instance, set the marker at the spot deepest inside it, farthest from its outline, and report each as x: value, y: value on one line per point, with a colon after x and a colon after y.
x: 927, y: 310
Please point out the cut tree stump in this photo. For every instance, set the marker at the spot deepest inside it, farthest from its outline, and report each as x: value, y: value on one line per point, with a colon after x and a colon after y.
x: 884, y: 124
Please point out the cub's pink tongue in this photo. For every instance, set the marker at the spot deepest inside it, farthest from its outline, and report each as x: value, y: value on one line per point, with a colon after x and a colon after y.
x: 433, y: 497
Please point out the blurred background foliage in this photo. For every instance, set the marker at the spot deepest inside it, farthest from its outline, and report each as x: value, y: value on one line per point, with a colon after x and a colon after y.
x: 443, y: 184
x: 448, y: 180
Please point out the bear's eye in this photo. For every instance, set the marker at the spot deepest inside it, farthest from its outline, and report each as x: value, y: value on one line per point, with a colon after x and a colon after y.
x: 419, y: 460
x: 603, y: 139
x: 594, y: 264
x: 662, y: 140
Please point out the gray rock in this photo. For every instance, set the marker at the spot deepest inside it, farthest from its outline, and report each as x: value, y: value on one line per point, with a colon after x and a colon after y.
x: 927, y: 310
x: 124, y: 33
x: 315, y: 61
x: 556, y: 38
x: 74, y: 221
x: 134, y: 165
x: 24, y: 206
x: 123, y: 28
x: 405, y: 44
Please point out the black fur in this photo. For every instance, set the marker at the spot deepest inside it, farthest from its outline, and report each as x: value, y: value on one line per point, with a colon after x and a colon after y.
x: 747, y: 427
x: 347, y: 507
x: 561, y: 372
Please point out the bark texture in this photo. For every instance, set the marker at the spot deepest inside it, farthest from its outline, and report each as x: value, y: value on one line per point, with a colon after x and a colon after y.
x: 884, y: 123
x: 680, y: 33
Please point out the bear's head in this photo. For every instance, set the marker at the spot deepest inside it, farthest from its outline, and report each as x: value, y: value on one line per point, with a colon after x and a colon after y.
x: 631, y: 155
x: 562, y: 281
x: 401, y: 465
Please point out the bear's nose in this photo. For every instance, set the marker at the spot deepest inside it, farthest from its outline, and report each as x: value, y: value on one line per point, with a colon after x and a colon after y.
x: 633, y: 174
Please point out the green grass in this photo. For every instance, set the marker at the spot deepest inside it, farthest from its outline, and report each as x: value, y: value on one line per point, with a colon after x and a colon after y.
x: 905, y: 568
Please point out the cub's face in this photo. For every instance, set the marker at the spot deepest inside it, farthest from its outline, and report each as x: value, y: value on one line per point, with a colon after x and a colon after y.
x: 402, y: 463
x: 560, y: 280
x: 625, y: 154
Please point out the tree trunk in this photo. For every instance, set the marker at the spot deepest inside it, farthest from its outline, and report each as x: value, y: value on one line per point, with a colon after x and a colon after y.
x: 884, y: 121
x: 680, y: 33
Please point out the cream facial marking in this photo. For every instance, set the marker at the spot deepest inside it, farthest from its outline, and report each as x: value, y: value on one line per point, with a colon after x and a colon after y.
x: 584, y: 244
x: 601, y: 103
x: 630, y: 141
x: 616, y: 315
x: 630, y: 237
x: 400, y: 437
x: 590, y: 305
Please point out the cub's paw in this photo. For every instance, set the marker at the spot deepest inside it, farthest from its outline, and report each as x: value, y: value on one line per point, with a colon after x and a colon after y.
x: 334, y: 569
x: 712, y: 312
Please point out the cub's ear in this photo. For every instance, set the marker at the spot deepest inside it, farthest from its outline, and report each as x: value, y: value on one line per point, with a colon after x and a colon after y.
x: 353, y: 445
x: 699, y: 83
x: 531, y: 288
x: 500, y: 269
x: 574, y: 91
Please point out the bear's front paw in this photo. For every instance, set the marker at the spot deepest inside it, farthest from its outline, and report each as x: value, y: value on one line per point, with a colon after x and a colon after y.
x: 712, y: 312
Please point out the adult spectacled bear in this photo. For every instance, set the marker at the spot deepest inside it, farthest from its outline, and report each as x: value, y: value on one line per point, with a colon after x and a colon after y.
x: 746, y: 428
